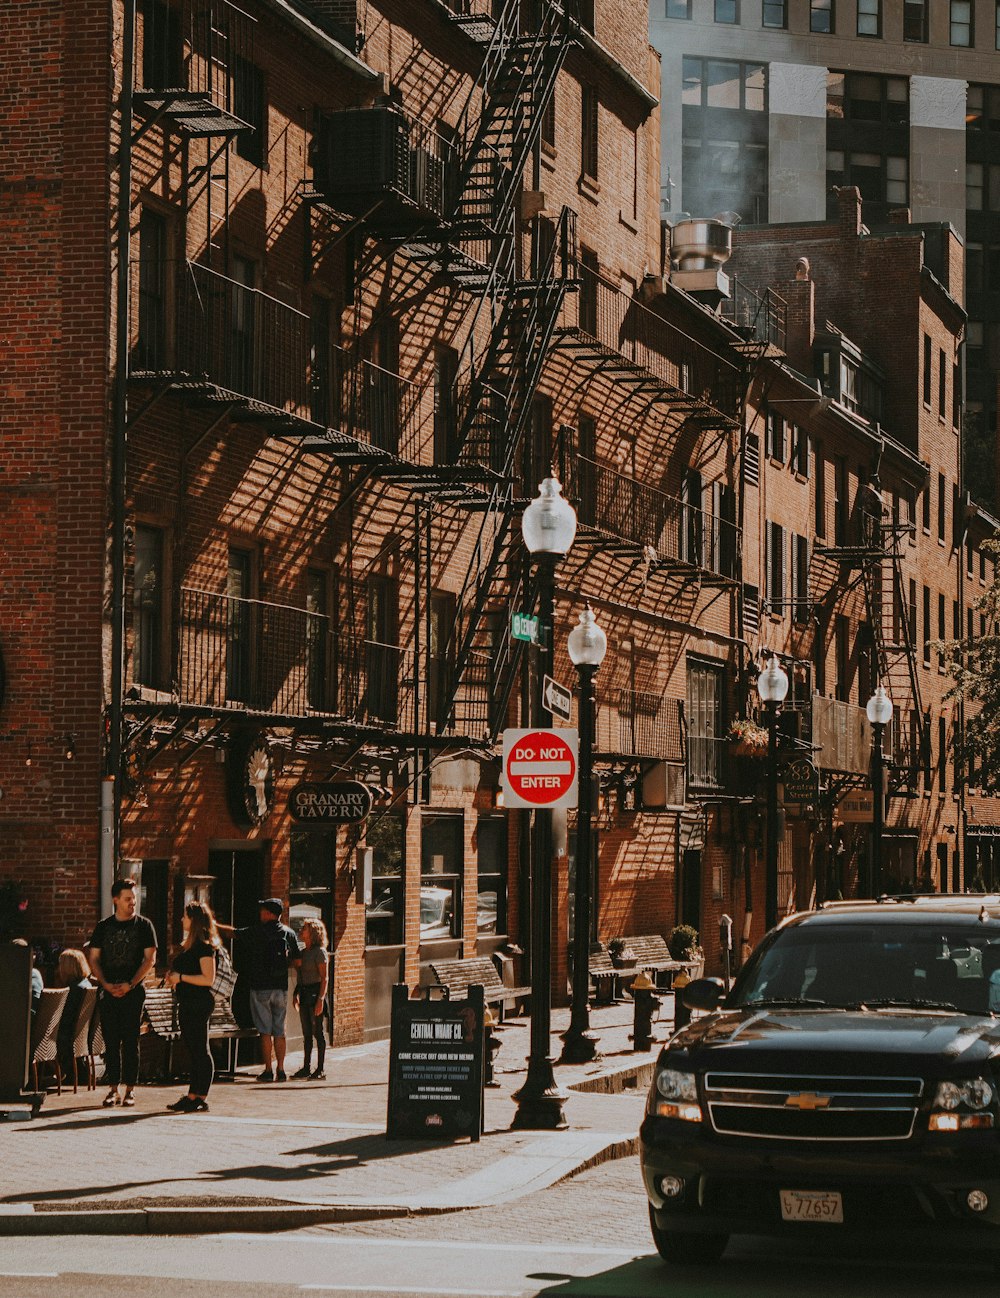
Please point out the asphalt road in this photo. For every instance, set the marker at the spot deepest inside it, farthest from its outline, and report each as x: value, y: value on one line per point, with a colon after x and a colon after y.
x: 586, y: 1238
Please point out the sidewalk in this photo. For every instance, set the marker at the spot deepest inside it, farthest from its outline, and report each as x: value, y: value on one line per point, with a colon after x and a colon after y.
x: 270, y: 1156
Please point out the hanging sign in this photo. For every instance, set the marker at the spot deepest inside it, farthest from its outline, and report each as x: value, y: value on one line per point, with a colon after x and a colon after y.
x: 340, y: 803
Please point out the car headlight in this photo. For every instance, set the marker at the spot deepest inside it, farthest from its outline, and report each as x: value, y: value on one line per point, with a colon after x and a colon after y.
x: 975, y: 1094
x: 676, y: 1096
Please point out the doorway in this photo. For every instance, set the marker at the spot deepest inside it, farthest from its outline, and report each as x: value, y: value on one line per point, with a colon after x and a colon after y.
x: 691, y: 888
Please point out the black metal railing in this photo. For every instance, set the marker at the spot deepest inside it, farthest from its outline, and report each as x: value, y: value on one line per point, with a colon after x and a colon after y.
x: 194, y: 322
x: 623, y: 325
x: 708, y: 761
x: 635, y: 723
x: 623, y: 508
x: 196, y: 46
x: 760, y: 317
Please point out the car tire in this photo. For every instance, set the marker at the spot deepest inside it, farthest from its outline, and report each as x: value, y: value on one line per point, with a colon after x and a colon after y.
x: 684, y: 1248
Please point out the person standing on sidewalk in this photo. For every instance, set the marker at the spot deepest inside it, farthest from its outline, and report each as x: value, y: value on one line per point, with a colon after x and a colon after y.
x: 192, y: 974
x: 122, y: 952
x: 310, y: 996
x: 270, y: 949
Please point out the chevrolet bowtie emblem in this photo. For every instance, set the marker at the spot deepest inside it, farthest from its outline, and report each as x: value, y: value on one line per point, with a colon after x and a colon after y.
x: 807, y: 1100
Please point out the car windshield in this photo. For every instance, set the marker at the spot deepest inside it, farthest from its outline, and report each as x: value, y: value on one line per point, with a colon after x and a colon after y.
x: 923, y: 965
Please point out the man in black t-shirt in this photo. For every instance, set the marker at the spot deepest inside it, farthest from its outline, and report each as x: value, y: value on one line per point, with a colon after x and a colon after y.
x: 122, y: 952
x: 269, y: 950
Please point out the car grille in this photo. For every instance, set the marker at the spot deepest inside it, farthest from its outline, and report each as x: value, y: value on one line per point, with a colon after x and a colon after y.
x: 814, y: 1107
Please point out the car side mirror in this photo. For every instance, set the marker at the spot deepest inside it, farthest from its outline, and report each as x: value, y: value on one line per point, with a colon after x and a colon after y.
x: 703, y: 993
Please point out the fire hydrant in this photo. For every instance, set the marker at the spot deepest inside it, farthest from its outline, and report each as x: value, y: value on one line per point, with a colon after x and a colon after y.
x: 646, y: 1006
x: 491, y: 1045
x: 682, y: 1015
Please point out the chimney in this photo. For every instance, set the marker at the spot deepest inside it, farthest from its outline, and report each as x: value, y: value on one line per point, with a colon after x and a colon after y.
x: 900, y: 216
x: 800, y: 326
x: 849, y: 209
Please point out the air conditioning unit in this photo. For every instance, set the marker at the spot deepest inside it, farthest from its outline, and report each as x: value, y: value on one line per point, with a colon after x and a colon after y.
x: 662, y: 786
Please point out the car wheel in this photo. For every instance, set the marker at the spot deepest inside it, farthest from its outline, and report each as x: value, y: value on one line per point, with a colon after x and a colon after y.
x: 686, y: 1249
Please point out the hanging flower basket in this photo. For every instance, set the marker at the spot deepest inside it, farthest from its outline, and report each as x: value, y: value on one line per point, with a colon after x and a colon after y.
x: 747, y: 739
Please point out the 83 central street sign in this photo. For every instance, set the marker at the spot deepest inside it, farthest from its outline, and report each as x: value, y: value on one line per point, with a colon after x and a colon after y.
x: 540, y: 768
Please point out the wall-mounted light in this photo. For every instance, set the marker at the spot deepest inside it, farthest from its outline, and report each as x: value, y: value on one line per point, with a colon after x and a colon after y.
x: 498, y: 799
x: 27, y: 760
x: 70, y: 749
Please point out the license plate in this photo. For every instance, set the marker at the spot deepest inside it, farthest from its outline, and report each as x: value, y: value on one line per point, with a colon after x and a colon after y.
x: 811, y: 1205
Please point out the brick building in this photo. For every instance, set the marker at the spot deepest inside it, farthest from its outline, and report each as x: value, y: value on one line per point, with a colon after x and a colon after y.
x: 275, y: 419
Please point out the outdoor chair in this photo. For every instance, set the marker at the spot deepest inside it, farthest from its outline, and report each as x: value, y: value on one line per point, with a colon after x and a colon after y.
x: 44, y: 1027
x: 81, y: 1039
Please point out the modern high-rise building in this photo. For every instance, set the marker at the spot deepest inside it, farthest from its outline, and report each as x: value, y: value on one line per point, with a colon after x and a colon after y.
x: 769, y: 105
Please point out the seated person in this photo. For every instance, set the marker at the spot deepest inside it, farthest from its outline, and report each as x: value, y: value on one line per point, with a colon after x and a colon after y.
x: 36, y: 979
x: 73, y: 972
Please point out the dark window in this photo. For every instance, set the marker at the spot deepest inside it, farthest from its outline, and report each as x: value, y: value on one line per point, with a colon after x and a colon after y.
x: 386, y: 836
x: 927, y: 626
x: 319, y: 640
x: 942, y: 629
x: 586, y: 480
x: 775, y: 564
x: 442, y: 857
x: 589, y: 140
x: 841, y: 501
x: 153, y: 881
x: 925, y: 508
x: 151, y: 344
x: 445, y: 405
x: 382, y: 386
x: 996, y: 27
x: 381, y: 651
x: 250, y: 106
x: 243, y: 363
x: 325, y: 370
x: 441, y: 654
x: 869, y: 17
x: 942, y: 493
x: 911, y: 613
x: 590, y: 271
x: 239, y: 625
x: 692, y: 536
x: 819, y: 657
x: 927, y: 375
x: 942, y: 757
x: 775, y: 436
x: 956, y: 395
x: 961, y: 24
x: 727, y: 11
x: 704, y: 724
x: 678, y: 8
x: 843, y: 652
x: 148, y: 607
x: 751, y: 460
x: 549, y: 123
x: 162, y: 47
x: 311, y: 868
x: 774, y: 13
x: 491, y: 855
x: 820, y: 496
x: 800, y: 580
x: 800, y: 450
x: 821, y: 16
x: 915, y: 20
x: 942, y: 383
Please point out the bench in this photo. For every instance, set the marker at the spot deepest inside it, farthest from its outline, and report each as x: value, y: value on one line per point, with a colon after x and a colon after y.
x: 159, y: 1020
x: 603, y: 974
x: 457, y: 976
x: 653, y: 955
x: 222, y: 1026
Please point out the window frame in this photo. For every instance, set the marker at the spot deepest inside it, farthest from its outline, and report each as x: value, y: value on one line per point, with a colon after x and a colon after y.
x: 817, y: 8
x: 877, y: 15
x: 452, y: 879
x: 158, y: 617
x: 772, y: 5
x: 957, y: 24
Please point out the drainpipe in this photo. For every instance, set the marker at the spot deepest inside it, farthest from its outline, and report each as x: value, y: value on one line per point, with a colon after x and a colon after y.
x: 119, y: 440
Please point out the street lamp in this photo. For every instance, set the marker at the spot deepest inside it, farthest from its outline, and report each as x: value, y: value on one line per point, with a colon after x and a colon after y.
x: 548, y: 527
x: 587, y: 645
x: 772, y: 686
x: 879, y: 709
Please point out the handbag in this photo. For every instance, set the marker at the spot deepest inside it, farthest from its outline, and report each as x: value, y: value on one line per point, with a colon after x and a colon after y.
x: 225, y: 977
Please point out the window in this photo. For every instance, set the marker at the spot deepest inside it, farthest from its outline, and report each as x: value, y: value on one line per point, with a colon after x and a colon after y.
x: 162, y: 47
x: 727, y: 11
x: 326, y: 369
x: 678, y: 8
x: 386, y: 836
x: 775, y: 568
x: 442, y: 854
x: 381, y: 651
x: 842, y: 637
x: 148, y: 607
x: 441, y: 652
x: 800, y: 580
x: 942, y: 757
x: 942, y: 383
x: 590, y: 271
x: 724, y: 136
x: 751, y: 460
x: 821, y: 16
x: 925, y: 508
x: 692, y: 519
x: 774, y: 441
x: 152, y: 879
x: 240, y: 624
x: 941, y: 507
x: 151, y: 345
x: 927, y: 626
x: 491, y: 892
x: 243, y: 360
x: 774, y: 13
x: 942, y: 630
x: 549, y: 123
x: 841, y: 502
x: 319, y: 640
x: 819, y: 657
x: 704, y: 723
x: 800, y: 450
x: 445, y: 405
x: 956, y: 395
x: 911, y: 613
x: 927, y: 369
x: 996, y: 27
x: 961, y: 29
x: 974, y: 186
x: 250, y: 106
x: 589, y: 141
x: 915, y: 21
x: 869, y: 17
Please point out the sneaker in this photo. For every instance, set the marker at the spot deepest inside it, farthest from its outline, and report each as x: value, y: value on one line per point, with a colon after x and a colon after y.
x: 128, y: 1100
x: 266, y: 1076
x: 184, y: 1105
x: 198, y: 1105
x: 111, y: 1099
x: 318, y: 1076
x: 279, y: 1076
x: 303, y: 1072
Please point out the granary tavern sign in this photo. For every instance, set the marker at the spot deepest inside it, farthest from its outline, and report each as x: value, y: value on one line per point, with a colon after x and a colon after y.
x: 339, y: 803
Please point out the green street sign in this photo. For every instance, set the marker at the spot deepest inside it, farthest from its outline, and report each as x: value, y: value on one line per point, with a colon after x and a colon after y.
x: 524, y: 627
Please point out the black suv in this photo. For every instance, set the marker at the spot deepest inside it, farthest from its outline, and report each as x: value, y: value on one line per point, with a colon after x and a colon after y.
x: 848, y: 1083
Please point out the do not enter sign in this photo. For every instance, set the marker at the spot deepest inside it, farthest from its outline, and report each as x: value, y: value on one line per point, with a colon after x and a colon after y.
x: 539, y: 768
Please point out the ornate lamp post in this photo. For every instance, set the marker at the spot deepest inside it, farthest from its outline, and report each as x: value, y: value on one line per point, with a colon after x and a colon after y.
x: 587, y: 646
x: 548, y: 526
x: 879, y: 709
x: 772, y: 686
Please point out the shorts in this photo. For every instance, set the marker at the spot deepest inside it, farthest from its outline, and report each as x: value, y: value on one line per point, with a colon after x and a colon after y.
x: 268, y: 1009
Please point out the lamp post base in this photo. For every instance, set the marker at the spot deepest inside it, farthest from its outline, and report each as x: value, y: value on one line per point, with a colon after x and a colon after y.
x: 579, y: 1046
x: 540, y: 1101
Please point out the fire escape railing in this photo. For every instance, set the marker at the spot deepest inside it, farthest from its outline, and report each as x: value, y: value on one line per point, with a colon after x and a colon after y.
x: 637, y: 723
x: 195, y: 49
x: 759, y: 317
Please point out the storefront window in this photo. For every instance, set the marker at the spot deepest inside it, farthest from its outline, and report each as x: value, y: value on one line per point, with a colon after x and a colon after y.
x: 442, y: 854
x: 384, y: 921
x: 491, y: 899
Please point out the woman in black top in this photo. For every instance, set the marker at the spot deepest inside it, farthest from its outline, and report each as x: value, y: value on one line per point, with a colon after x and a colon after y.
x: 192, y: 973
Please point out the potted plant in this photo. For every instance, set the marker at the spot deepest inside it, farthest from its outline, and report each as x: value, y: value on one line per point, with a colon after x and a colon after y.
x: 747, y: 738
x: 682, y: 942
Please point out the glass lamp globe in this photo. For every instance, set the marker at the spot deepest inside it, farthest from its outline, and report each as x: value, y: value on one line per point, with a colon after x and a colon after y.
x: 548, y: 525
x: 587, y: 643
x: 879, y: 707
x: 772, y: 683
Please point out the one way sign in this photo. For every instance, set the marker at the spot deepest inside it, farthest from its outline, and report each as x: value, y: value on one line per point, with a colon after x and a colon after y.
x: 557, y: 698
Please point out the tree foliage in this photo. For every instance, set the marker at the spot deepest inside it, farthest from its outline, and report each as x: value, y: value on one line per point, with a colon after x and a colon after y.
x: 974, y: 665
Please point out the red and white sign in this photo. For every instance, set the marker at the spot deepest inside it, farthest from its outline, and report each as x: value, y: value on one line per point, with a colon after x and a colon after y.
x: 539, y: 768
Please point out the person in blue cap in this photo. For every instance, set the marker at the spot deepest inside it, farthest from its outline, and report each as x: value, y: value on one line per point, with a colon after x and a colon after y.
x: 270, y: 949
